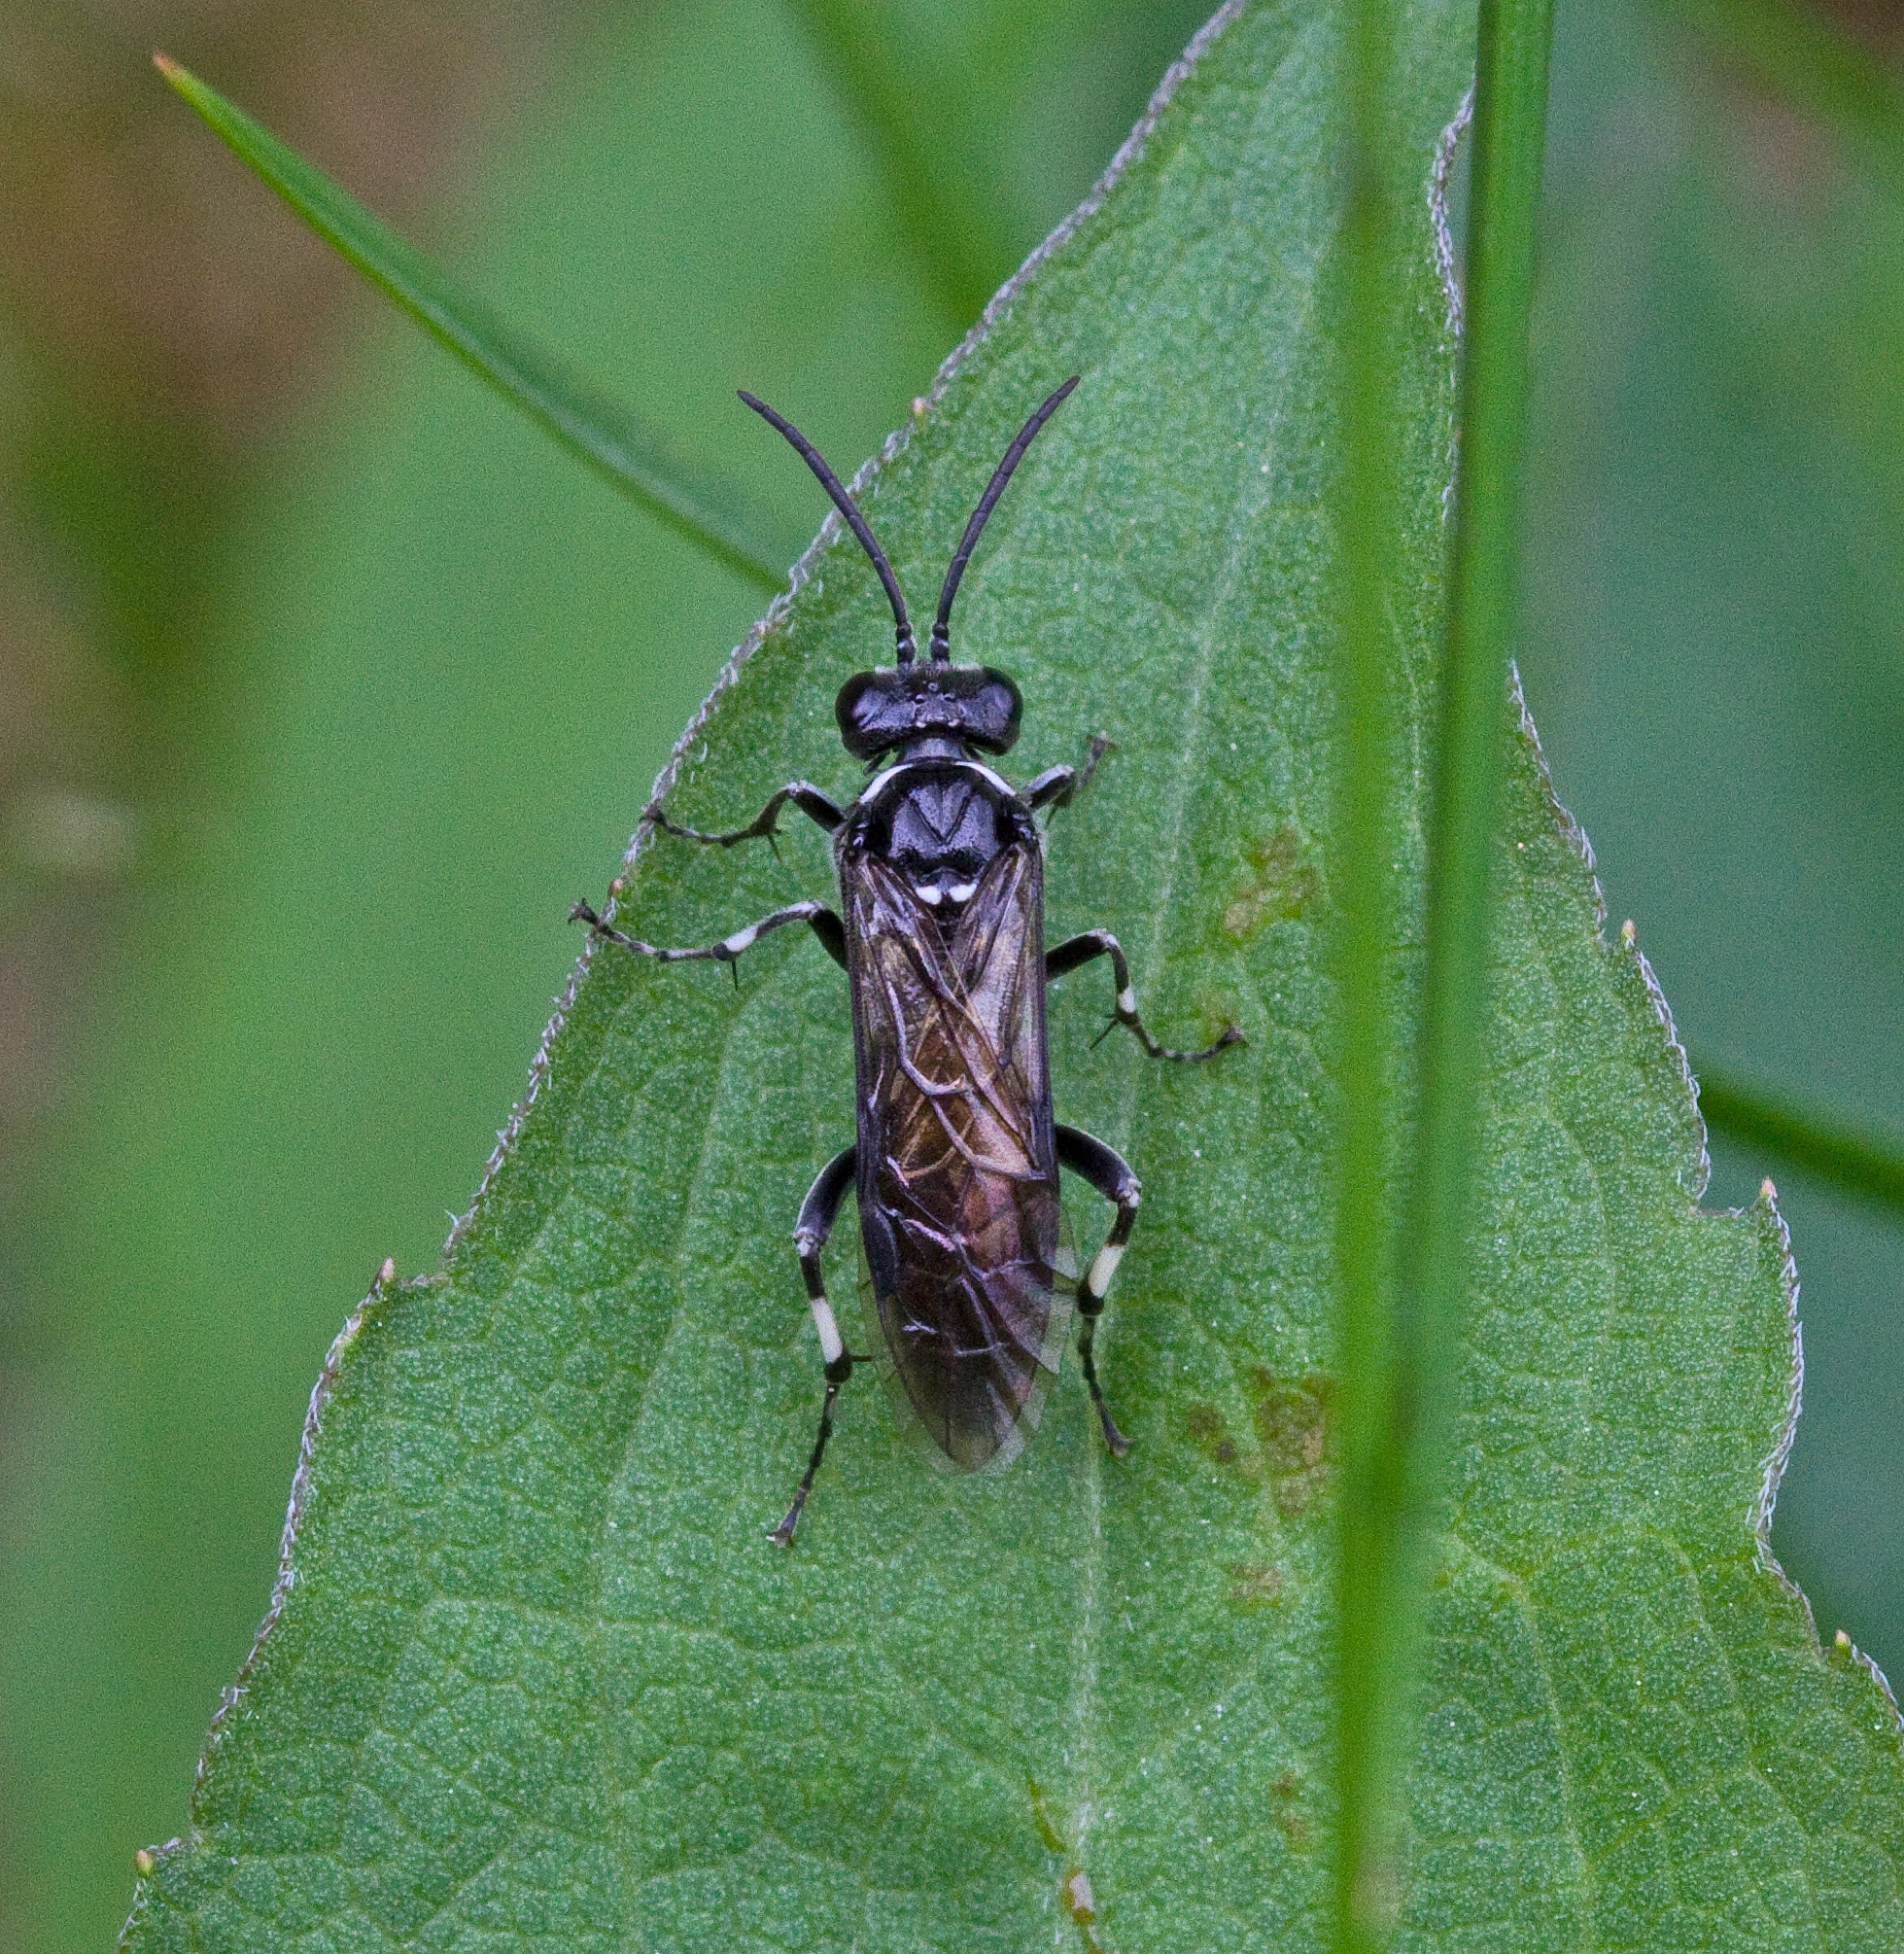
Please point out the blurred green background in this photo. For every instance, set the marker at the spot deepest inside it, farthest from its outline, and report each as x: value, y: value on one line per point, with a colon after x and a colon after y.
x: 326, y: 684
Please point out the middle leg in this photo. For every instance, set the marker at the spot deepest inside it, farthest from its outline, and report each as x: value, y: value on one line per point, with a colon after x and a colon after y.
x: 1095, y: 943
x: 823, y: 922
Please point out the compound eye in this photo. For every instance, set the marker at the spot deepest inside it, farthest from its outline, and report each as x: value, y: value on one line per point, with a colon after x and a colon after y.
x: 992, y: 713
x: 872, y: 713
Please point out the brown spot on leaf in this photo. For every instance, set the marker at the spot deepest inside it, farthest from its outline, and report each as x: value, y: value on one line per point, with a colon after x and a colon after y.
x: 1292, y: 1426
x: 1075, y: 1887
x: 1078, y: 1902
x: 1252, y: 1586
x: 1041, y: 1817
x: 1204, y: 1425
x: 1295, y: 1827
x: 1280, y: 884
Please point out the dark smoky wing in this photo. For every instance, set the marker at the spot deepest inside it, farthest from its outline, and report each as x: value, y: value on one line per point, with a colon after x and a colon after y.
x: 957, y: 1167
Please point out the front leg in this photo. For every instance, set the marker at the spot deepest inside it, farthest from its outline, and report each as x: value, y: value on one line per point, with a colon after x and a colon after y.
x: 824, y: 924
x: 1059, y: 786
x: 1111, y: 1175
x: 1095, y: 943
x: 803, y: 795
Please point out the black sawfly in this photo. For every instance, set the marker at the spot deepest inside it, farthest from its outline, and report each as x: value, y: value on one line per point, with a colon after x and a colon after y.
x: 940, y: 934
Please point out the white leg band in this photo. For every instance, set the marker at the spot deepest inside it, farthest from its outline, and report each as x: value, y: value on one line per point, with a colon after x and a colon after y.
x: 1097, y: 1284
x: 830, y: 1346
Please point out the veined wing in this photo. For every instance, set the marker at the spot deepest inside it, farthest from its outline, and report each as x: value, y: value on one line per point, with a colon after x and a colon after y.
x: 957, y: 1167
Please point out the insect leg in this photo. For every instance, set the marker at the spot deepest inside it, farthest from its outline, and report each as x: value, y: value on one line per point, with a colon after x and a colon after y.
x: 825, y: 925
x: 818, y: 1214
x: 804, y: 795
x: 1095, y: 943
x: 1058, y: 787
x: 1109, y: 1173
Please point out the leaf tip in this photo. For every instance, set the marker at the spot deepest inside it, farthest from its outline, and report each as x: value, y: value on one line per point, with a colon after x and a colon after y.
x: 145, y: 1862
x: 1629, y: 934
x: 1767, y: 1193
x: 387, y: 1275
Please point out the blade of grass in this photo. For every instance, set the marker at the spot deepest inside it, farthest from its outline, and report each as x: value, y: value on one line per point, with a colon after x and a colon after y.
x: 1510, y: 134
x: 1395, y: 1448
x: 604, y: 436
x: 1860, y: 1159
x: 1360, y: 876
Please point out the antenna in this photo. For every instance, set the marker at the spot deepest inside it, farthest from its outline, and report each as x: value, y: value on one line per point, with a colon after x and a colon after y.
x: 942, y: 624
x: 830, y: 482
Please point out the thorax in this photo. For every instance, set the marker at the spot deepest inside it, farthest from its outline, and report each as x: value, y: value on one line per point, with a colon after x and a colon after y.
x: 937, y: 821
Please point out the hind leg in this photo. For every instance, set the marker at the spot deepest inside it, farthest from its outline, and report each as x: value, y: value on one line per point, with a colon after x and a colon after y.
x: 818, y: 1214
x: 1110, y: 1174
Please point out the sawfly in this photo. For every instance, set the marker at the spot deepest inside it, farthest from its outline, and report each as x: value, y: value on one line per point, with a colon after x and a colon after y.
x: 939, y: 930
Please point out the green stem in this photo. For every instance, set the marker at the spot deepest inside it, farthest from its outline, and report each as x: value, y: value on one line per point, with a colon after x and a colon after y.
x: 1857, y: 1160
x: 604, y: 436
x: 1362, y: 881
x: 1510, y: 100
x: 1403, y: 1336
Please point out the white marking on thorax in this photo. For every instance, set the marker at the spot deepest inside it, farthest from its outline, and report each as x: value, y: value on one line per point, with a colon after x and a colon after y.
x: 883, y: 781
x: 1128, y: 1001
x: 961, y: 892
x: 741, y: 940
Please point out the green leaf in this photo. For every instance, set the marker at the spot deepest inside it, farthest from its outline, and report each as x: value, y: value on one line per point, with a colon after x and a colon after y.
x: 607, y: 436
x: 532, y: 1673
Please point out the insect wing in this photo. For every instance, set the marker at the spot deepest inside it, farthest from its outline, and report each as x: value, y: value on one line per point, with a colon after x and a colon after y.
x: 1064, y: 1291
x: 959, y: 1198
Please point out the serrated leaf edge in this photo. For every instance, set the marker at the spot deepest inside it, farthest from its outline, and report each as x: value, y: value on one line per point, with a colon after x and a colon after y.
x: 286, y: 1579
x: 1764, y: 1214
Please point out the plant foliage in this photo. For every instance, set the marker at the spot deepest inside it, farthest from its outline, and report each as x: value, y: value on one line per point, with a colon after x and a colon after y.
x: 533, y: 1677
